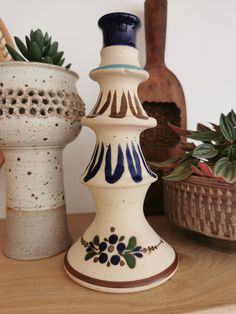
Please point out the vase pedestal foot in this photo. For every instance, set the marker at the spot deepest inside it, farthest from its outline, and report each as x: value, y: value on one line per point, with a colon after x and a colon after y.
x: 36, y: 234
x: 121, y: 286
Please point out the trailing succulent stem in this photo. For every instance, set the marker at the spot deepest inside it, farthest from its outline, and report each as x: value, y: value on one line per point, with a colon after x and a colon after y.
x: 214, y: 157
x: 38, y: 47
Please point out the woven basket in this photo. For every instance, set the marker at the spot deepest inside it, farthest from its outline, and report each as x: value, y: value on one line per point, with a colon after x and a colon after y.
x: 202, y: 205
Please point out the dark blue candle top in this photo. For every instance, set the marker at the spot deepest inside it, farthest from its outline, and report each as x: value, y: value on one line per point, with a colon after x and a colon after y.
x: 119, y: 29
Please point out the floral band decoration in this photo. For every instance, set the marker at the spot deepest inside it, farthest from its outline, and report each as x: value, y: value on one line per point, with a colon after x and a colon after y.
x: 114, y: 251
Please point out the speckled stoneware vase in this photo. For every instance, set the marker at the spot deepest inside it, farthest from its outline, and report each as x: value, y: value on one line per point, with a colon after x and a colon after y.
x: 119, y: 252
x: 40, y: 112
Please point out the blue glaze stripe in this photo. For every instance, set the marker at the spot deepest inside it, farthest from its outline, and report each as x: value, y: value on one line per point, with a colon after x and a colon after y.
x: 118, y: 66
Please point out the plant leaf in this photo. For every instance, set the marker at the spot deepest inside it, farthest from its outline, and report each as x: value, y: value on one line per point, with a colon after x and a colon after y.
x: 226, y: 169
x: 232, y: 117
x: 15, y: 55
x: 27, y: 40
x: 205, y: 151
x: 202, y: 127
x: 178, y: 130
x: 227, y: 128
x: 60, y: 63
x: 35, y: 52
x: 47, y: 47
x: 182, y: 171
x: 48, y: 60
x: 68, y: 66
x: 57, y: 57
x: 90, y: 255
x: 206, y: 136
x: 53, y: 49
x: 169, y: 163
x: 21, y: 47
x: 130, y: 260
x: 38, y: 37
x: 132, y: 243
x: 186, y: 146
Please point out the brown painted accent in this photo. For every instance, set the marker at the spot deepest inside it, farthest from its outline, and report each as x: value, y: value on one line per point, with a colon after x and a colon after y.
x: 131, y: 106
x: 104, y: 107
x: 123, y: 107
x: 139, y: 114
x: 94, y: 112
x: 121, y: 284
x: 162, y: 90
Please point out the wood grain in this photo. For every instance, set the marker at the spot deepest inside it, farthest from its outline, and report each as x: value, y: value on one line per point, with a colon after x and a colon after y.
x: 162, y: 98
x: 205, y: 279
x: 5, y: 38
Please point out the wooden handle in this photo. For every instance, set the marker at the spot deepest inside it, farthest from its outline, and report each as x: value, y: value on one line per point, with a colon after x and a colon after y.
x: 4, y: 38
x: 155, y: 30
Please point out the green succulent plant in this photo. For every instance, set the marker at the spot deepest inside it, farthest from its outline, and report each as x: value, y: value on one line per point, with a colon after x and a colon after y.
x: 215, y: 157
x: 38, y: 47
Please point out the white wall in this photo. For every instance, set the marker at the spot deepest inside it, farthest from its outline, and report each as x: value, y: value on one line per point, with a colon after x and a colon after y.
x: 200, y: 50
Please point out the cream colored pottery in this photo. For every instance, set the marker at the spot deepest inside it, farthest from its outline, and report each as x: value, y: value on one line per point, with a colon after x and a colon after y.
x: 119, y: 252
x: 40, y: 112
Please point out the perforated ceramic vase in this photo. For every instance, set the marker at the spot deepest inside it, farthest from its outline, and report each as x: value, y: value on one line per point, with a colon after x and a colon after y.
x: 119, y: 252
x: 40, y: 112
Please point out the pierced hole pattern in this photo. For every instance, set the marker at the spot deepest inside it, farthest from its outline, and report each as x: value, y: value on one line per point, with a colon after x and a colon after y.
x: 40, y: 103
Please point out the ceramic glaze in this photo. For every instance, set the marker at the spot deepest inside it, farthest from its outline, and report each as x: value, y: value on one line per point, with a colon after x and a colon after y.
x: 40, y: 112
x: 119, y: 252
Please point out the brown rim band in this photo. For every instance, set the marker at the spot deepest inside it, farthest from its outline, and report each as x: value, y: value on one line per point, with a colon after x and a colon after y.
x: 122, y: 284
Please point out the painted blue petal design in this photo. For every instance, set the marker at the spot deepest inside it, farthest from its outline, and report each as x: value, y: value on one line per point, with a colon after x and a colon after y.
x: 94, y: 168
x: 119, y: 169
x: 135, y: 170
x: 145, y: 164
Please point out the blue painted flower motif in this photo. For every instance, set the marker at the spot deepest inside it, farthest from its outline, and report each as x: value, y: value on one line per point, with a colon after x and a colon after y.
x: 113, y: 250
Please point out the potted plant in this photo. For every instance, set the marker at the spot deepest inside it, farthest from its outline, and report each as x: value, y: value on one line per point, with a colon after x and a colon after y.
x: 40, y: 112
x: 200, y: 187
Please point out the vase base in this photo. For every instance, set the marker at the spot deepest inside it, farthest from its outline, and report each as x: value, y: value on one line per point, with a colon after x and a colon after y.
x: 121, y: 286
x: 32, y: 235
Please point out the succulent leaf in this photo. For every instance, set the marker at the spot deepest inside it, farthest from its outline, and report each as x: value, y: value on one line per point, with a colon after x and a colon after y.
x: 27, y: 41
x: 57, y: 57
x: 35, y: 52
x: 38, y: 47
x: 53, y: 49
x: 21, y: 47
x: 68, y: 66
x: 48, y: 60
x: 39, y: 38
x: 60, y: 63
x: 15, y: 55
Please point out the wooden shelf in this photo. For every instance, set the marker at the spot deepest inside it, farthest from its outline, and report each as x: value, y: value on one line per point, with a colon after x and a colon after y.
x: 205, y: 279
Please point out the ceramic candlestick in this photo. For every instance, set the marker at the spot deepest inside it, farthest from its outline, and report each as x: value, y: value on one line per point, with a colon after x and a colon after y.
x: 40, y: 112
x: 119, y: 252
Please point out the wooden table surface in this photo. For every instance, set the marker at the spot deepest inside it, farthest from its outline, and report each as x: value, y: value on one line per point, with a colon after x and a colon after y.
x: 206, y: 279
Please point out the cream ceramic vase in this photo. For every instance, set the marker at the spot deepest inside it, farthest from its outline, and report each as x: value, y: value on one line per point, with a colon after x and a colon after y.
x: 119, y: 252
x: 40, y: 112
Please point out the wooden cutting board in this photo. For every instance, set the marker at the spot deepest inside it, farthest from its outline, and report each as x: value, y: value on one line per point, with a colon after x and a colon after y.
x: 162, y: 98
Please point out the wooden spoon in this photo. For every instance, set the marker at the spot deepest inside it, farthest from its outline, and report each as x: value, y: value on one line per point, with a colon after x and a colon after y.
x: 162, y: 98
